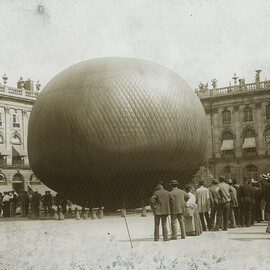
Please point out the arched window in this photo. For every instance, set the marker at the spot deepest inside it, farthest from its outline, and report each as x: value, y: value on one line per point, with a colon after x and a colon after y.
x: 267, y: 108
x: 227, y: 146
x: 251, y: 172
x: 227, y: 135
x: 228, y: 172
x: 249, y: 145
x: 226, y: 117
x: 17, y: 150
x: 248, y: 115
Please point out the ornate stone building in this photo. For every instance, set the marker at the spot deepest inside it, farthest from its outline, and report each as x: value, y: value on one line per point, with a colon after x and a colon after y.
x: 239, y: 127
x: 15, y: 108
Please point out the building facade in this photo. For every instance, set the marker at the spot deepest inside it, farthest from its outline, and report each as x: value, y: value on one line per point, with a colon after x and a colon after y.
x: 15, y: 108
x: 238, y: 120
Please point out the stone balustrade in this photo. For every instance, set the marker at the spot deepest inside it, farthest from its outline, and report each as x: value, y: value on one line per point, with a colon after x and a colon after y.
x: 11, y: 91
x: 232, y: 90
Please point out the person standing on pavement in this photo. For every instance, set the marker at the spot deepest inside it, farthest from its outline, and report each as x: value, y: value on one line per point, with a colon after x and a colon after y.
x: 247, y: 194
x: 239, y: 209
x: 214, y: 201
x: 266, y: 197
x: 224, y: 205
x: 203, y: 202
x: 233, y: 204
x: 161, y: 202
x: 177, y: 211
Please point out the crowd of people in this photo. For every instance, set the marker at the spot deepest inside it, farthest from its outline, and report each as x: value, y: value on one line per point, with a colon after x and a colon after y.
x: 225, y: 204
x: 30, y: 203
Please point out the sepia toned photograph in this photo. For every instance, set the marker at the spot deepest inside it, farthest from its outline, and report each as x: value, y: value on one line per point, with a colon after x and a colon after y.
x: 134, y: 134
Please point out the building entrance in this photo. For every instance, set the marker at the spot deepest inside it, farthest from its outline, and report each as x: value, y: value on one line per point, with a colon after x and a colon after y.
x: 17, y: 182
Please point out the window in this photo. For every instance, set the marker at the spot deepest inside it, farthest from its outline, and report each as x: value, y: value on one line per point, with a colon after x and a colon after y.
x: 249, y: 145
x: 227, y: 146
x: 226, y: 117
x: 268, y: 111
x: 15, y: 121
x: 3, y: 179
x: 227, y: 171
x: 251, y: 172
x: 249, y: 133
x: 248, y: 116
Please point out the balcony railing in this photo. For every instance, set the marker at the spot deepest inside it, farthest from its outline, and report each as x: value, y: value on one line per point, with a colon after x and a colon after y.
x: 231, y: 90
x: 11, y: 91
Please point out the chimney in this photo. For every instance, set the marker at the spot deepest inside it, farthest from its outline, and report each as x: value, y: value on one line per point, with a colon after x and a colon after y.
x: 29, y: 85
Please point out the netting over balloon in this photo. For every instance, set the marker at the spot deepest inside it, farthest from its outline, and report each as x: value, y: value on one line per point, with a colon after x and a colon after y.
x: 106, y: 130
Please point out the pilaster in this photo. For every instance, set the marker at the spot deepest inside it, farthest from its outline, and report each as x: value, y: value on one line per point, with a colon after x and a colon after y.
x: 8, y: 134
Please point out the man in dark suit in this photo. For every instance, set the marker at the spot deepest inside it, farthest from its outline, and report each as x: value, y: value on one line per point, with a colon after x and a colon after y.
x: 239, y: 209
x: 178, y: 208
x: 161, y: 202
x: 247, y: 194
x: 266, y: 197
x: 224, y: 205
x: 214, y: 191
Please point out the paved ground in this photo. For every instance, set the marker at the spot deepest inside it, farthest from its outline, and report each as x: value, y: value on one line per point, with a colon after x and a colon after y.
x: 104, y: 244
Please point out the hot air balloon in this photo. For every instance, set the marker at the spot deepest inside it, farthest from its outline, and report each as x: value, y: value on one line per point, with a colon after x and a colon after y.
x: 106, y: 130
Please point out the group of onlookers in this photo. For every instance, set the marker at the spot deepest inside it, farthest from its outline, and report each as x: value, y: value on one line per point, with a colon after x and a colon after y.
x: 225, y: 204
x: 29, y: 203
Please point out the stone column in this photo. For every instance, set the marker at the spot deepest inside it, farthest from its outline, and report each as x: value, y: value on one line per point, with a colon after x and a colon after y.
x: 8, y: 123
x: 238, y: 132
x: 216, y: 133
x: 25, y: 131
x: 259, y: 129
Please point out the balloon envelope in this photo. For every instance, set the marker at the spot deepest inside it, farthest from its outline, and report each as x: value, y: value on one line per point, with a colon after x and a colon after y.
x: 106, y: 130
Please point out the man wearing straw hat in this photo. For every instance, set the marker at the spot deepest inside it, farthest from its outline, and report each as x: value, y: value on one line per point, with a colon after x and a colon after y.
x: 178, y: 209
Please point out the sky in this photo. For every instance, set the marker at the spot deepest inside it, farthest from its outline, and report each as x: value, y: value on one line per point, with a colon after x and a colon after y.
x: 198, y: 39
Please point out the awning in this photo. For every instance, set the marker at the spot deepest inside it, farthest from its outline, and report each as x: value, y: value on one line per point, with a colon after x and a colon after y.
x: 5, y: 188
x: 249, y: 143
x: 41, y: 188
x: 227, y: 145
x: 17, y: 151
x: 4, y: 151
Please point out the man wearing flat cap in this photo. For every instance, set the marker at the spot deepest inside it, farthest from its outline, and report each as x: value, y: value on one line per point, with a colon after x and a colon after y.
x: 178, y: 208
x: 161, y: 203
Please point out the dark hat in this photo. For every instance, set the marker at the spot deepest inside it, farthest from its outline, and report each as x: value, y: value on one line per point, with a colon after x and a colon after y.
x: 160, y: 183
x: 201, y: 182
x: 214, y: 181
x: 222, y: 178
x: 173, y: 182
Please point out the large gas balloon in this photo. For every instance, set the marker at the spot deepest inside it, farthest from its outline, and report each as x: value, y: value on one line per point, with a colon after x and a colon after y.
x: 106, y: 130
